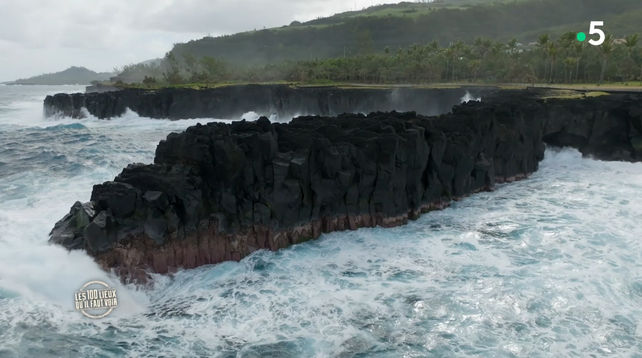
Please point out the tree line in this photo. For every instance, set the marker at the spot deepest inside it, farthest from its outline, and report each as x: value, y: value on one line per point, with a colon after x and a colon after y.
x: 333, y: 36
x: 561, y: 60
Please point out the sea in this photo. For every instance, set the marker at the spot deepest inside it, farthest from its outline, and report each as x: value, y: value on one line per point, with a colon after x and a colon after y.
x: 550, y: 266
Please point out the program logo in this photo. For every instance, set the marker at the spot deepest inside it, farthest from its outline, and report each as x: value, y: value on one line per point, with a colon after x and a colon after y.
x: 96, y: 299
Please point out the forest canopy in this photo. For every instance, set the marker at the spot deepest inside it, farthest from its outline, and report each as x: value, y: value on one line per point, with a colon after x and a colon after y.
x: 548, y: 60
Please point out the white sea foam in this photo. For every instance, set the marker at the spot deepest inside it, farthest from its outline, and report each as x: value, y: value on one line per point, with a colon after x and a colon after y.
x: 33, y: 203
x: 549, y: 266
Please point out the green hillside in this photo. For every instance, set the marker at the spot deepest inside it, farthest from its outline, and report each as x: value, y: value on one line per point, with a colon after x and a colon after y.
x: 403, y: 9
x: 618, y: 25
x: 71, y: 76
x: 401, y: 25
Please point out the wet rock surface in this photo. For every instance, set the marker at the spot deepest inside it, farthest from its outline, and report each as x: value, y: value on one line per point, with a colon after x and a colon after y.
x: 219, y: 192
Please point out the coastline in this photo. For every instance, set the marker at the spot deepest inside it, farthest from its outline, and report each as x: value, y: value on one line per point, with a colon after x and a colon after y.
x: 219, y: 192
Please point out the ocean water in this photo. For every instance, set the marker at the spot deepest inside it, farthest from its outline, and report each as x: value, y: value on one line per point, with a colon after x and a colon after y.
x: 546, y: 267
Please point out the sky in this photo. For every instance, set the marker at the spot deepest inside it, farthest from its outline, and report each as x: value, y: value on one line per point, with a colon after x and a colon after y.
x: 44, y: 36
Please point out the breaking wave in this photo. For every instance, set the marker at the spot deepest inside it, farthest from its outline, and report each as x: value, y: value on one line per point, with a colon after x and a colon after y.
x: 549, y: 266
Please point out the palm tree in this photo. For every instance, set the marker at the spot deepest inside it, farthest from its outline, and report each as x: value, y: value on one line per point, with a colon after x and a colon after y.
x: 568, y: 37
x: 566, y: 41
x: 478, y: 44
x: 513, y: 55
x: 450, y: 55
x: 487, y: 45
x: 578, y: 49
x: 606, y: 48
x: 569, y: 64
x: 433, y: 46
x: 542, y: 42
x: 628, y: 67
x: 458, y: 48
x: 511, y: 45
x: 630, y: 41
x: 543, y: 39
x: 474, y: 67
x: 552, y: 51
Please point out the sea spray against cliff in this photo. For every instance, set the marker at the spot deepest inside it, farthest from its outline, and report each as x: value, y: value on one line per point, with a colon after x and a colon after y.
x: 86, y: 151
x: 284, y: 100
x: 469, y: 97
x: 93, y: 151
x: 521, y: 271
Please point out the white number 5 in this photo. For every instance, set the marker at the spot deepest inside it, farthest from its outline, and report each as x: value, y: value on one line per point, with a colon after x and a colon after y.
x: 593, y: 30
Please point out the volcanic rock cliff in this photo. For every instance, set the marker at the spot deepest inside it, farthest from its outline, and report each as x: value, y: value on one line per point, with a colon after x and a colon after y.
x: 230, y: 102
x: 218, y: 192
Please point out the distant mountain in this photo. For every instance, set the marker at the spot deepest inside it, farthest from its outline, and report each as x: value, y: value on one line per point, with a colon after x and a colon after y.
x: 71, y: 76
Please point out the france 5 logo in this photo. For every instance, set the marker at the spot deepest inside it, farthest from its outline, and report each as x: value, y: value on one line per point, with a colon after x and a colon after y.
x: 593, y: 30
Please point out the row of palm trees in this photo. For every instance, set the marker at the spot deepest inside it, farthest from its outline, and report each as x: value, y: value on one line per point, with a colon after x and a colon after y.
x: 563, y: 60
x: 574, y: 50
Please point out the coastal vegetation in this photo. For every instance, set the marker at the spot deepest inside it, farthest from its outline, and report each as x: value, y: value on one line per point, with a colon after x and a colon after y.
x: 401, y: 25
x: 561, y: 60
x: 436, y: 42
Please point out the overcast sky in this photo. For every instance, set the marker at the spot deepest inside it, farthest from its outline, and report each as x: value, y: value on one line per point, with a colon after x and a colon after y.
x: 42, y: 36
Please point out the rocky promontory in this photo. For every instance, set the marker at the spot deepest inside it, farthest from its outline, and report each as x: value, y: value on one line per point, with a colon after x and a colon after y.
x: 219, y: 192
x: 231, y: 102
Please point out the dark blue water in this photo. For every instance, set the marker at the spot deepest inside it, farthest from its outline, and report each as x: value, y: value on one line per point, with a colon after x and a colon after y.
x: 547, y: 267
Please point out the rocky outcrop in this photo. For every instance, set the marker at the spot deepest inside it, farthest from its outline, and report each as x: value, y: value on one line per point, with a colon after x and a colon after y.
x: 219, y: 192
x: 232, y: 102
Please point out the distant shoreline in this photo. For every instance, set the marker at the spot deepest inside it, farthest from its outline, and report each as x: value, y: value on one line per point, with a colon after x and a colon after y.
x: 72, y: 76
x: 38, y: 84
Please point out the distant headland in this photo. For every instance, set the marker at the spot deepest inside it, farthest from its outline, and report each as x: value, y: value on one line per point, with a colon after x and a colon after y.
x: 71, y: 76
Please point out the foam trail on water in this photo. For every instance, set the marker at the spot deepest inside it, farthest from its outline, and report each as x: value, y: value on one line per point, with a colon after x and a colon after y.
x: 522, y: 271
x: 33, y: 201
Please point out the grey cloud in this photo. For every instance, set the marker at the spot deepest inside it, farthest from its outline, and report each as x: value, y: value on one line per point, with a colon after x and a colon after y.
x: 227, y: 17
x: 39, y: 36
